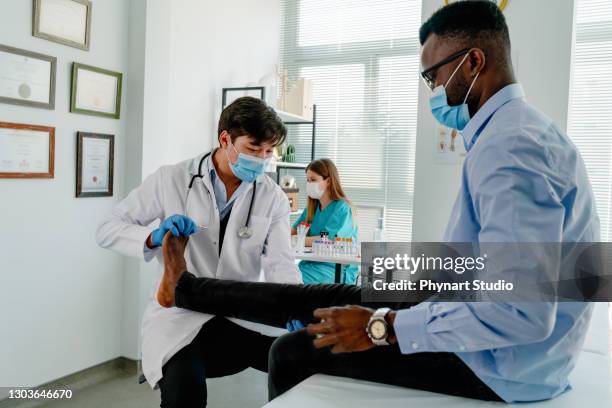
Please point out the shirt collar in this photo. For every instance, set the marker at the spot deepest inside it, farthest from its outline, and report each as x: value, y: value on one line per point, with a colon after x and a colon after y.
x: 207, y: 167
x: 212, y: 171
x: 195, y: 163
x: 476, y: 124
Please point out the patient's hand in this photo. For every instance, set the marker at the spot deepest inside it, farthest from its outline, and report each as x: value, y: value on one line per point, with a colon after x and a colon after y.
x: 173, y: 249
x: 343, y: 328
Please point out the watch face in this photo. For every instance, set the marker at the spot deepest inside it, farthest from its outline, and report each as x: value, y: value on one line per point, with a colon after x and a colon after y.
x: 378, y: 329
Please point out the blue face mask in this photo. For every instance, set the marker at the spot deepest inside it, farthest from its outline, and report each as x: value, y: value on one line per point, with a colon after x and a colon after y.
x: 247, y: 168
x: 454, y: 117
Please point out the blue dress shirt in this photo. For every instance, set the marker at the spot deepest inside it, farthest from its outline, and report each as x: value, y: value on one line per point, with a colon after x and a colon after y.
x: 223, y: 204
x: 523, y: 180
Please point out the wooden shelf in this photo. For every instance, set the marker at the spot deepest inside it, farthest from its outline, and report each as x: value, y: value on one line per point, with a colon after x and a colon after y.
x: 286, y: 165
x: 293, y: 119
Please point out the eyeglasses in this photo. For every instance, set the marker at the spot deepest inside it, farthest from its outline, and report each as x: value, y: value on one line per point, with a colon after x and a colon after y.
x: 429, y: 75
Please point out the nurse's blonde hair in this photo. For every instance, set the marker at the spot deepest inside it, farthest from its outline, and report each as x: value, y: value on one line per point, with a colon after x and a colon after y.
x: 328, y: 170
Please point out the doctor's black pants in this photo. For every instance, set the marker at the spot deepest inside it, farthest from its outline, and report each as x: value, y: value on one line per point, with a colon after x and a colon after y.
x: 220, y: 348
x: 293, y: 357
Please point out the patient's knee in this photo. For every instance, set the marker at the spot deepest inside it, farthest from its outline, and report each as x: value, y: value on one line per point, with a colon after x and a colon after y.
x: 289, y: 349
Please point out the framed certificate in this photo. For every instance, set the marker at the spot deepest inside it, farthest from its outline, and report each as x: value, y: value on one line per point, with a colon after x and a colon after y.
x: 66, y: 22
x: 229, y: 95
x: 26, y: 151
x: 27, y: 78
x: 95, y: 91
x: 502, y: 4
x: 95, y: 154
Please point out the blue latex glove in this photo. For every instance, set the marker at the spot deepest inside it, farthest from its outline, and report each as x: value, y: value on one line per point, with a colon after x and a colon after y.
x: 179, y: 225
x: 294, y: 325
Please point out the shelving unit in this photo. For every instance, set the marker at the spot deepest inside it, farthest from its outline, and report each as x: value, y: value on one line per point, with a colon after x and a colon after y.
x: 285, y: 165
x: 290, y: 119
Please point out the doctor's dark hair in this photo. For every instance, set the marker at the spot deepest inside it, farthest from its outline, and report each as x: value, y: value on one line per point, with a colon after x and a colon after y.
x: 253, y: 117
x: 472, y: 24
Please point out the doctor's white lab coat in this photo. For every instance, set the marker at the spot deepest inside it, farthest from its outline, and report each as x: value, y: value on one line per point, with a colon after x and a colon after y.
x: 165, y: 331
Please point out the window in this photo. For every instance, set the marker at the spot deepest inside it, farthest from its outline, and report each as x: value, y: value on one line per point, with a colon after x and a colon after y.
x: 363, y: 59
x: 590, y: 113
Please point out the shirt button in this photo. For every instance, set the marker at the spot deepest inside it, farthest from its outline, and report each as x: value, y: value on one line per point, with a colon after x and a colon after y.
x: 414, y: 345
x: 215, y: 243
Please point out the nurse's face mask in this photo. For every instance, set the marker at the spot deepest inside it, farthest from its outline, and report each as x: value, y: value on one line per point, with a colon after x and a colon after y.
x: 316, y: 189
x: 454, y: 117
x: 247, y: 168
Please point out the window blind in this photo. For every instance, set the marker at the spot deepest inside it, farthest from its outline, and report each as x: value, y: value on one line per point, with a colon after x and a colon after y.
x: 363, y: 59
x: 590, y: 111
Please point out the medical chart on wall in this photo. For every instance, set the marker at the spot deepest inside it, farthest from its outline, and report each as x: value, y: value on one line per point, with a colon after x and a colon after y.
x: 448, y: 147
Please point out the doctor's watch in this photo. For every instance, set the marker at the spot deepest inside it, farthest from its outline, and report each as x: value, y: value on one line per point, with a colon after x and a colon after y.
x: 378, y: 329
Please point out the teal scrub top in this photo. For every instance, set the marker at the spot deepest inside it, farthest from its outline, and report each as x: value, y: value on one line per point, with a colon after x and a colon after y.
x: 337, y: 219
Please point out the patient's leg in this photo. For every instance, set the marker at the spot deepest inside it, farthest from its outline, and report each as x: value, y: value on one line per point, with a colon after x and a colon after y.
x: 269, y: 303
x: 293, y: 358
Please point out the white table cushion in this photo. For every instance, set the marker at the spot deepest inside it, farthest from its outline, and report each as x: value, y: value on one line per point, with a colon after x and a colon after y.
x: 590, y: 379
x: 591, y: 382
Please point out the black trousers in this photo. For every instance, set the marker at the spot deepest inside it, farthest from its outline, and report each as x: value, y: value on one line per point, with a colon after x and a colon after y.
x: 221, y: 348
x: 293, y: 358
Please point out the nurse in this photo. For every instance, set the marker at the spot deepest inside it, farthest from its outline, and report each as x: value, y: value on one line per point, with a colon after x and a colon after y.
x: 328, y: 210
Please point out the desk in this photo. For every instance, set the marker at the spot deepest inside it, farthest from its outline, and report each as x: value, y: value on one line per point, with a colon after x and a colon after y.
x: 338, y: 260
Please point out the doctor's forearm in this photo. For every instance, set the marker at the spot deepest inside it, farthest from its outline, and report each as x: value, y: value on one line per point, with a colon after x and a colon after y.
x: 310, y: 240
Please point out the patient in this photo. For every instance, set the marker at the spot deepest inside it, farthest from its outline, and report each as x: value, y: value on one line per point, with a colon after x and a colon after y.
x: 334, y: 343
x: 523, y: 181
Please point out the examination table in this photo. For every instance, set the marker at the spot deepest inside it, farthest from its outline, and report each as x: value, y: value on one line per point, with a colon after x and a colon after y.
x: 591, y: 384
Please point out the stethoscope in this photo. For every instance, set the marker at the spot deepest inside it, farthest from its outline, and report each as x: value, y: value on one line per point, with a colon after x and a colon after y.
x: 245, y: 231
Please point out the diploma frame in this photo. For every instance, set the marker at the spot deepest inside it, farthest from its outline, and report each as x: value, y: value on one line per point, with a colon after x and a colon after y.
x: 36, y: 16
x: 80, y: 163
x: 229, y: 95
x: 50, y: 173
x: 52, y: 75
x: 74, y: 89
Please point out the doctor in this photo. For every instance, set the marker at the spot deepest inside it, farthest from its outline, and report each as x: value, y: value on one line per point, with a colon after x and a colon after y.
x: 237, y: 220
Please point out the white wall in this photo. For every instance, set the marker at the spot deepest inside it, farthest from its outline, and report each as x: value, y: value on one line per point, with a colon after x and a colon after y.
x: 193, y: 49
x: 541, y: 34
x: 130, y: 329
x: 60, y: 295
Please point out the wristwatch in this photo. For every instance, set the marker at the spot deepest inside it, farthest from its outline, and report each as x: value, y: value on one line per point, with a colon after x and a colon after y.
x: 378, y: 328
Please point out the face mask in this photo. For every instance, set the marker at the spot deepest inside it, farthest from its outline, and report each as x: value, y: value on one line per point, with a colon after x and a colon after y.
x: 247, y: 168
x: 454, y: 117
x: 313, y: 190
